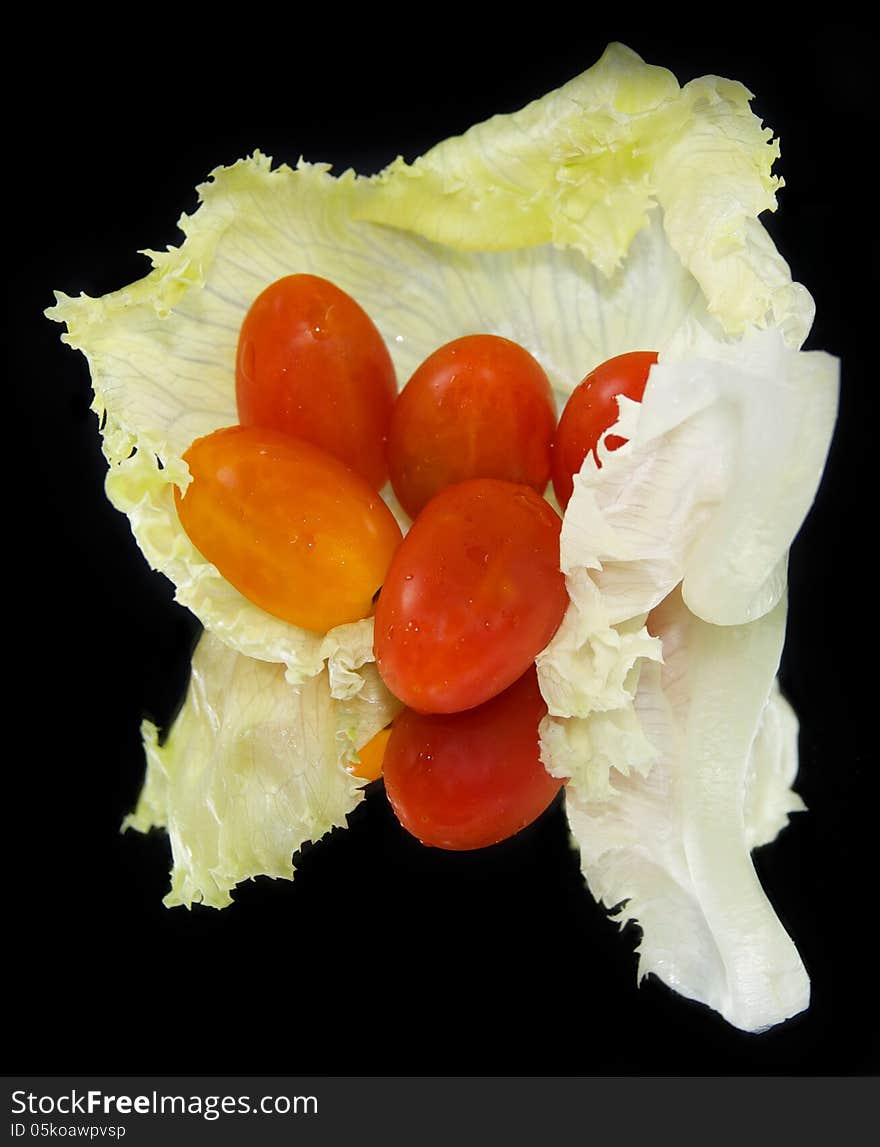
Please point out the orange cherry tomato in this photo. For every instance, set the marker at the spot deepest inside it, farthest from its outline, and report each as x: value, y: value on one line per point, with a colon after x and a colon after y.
x: 311, y: 364
x: 590, y: 410
x: 369, y: 767
x: 467, y: 780
x: 479, y: 407
x: 298, y: 533
x: 472, y: 595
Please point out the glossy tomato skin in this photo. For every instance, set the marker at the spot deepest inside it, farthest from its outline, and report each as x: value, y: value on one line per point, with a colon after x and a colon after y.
x: 472, y: 595
x: 295, y: 531
x: 311, y: 363
x: 468, y: 780
x: 590, y: 410
x: 479, y: 407
x: 371, y: 756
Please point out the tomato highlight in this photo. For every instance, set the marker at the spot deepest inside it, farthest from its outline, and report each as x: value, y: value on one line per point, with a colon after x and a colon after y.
x: 590, y: 410
x: 295, y: 531
x: 469, y: 780
x: 479, y: 407
x: 311, y: 363
x: 472, y: 595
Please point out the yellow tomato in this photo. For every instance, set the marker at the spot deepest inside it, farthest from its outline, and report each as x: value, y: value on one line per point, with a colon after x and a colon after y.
x: 371, y: 756
x: 293, y: 529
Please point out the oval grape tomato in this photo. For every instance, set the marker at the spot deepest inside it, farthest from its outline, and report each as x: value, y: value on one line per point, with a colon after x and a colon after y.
x: 479, y: 407
x: 311, y: 364
x: 472, y: 595
x: 468, y: 780
x: 295, y: 531
x: 590, y: 410
x: 371, y: 756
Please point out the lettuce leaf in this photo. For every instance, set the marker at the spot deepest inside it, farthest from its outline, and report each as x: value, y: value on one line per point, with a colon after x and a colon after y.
x: 670, y: 849
x: 606, y: 216
x: 252, y: 769
x: 707, y: 494
x: 585, y: 166
x: 620, y: 212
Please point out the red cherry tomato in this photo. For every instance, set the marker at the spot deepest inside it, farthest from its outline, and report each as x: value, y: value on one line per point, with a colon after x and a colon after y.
x: 311, y: 364
x: 298, y: 533
x: 590, y: 410
x: 479, y: 407
x: 467, y: 780
x: 472, y: 595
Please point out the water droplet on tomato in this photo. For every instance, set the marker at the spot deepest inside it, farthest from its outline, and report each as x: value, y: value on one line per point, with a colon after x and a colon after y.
x: 477, y: 554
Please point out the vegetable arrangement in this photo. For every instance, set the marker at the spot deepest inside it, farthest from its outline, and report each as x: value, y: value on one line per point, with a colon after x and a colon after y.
x: 641, y: 631
x: 285, y: 508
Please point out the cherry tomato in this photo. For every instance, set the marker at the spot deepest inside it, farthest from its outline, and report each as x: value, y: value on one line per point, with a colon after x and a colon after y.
x: 472, y: 595
x: 369, y: 767
x: 298, y: 533
x: 467, y: 780
x: 479, y: 407
x: 590, y: 410
x: 311, y: 363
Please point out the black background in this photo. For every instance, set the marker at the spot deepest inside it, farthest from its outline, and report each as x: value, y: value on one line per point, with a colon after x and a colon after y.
x: 381, y: 957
